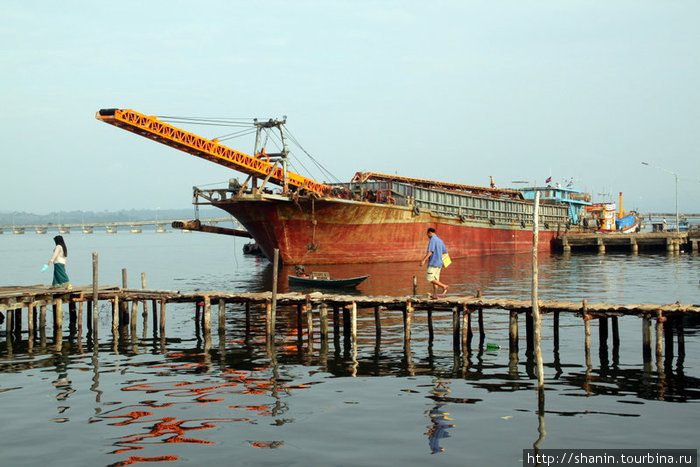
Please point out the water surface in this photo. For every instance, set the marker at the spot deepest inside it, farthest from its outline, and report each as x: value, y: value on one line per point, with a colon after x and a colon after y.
x: 178, y: 399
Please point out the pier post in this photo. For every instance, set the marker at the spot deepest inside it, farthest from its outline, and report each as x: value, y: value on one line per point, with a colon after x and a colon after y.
x: 555, y: 325
x: 30, y: 323
x: 115, y: 313
x: 222, y: 315
x: 603, y: 341
x: 634, y: 247
x: 134, y: 311
x: 154, y: 305
x: 566, y: 247
x: 95, y: 290
x: 162, y: 318
x: 660, y: 318
x: 681, y: 341
x: 407, y: 318
x: 346, y: 322
x: 275, y: 273
x: 58, y: 314
x: 431, y: 331
x: 646, y: 338
x: 377, y: 324
x: 668, y: 339
x: 207, y: 315
x: 482, y: 331
x: 42, y: 326
x: 601, y: 246
x: 513, y: 332
x: 466, y: 327
x: 587, y: 331
x: 123, y: 311
x: 145, y: 302
x: 455, y: 330
x: 309, y: 323
x: 269, y: 329
x: 336, y: 323
x: 353, y: 325
x: 9, y: 315
x: 300, y: 325
x: 58, y: 327
x: 323, y: 318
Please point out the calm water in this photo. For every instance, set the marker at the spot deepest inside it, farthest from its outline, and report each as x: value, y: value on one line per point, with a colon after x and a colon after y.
x: 140, y: 399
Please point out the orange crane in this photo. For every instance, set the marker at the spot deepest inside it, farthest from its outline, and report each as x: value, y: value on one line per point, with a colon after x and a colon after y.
x: 210, y: 149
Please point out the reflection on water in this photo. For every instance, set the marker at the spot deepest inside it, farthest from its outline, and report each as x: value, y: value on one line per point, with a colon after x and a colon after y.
x: 140, y: 397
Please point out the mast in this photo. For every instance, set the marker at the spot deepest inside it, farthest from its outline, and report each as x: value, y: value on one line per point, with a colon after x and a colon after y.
x: 278, y: 156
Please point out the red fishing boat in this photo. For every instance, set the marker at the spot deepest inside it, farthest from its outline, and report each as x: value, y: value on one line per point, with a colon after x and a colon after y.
x: 373, y: 218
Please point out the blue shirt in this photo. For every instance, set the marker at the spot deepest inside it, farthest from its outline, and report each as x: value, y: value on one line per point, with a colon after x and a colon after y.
x: 438, y: 248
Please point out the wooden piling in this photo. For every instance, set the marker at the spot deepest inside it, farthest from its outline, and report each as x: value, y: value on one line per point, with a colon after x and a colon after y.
x: 206, y: 325
x: 659, y: 334
x: 535, y: 305
x: 408, y: 321
x: 144, y: 302
x: 377, y: 324
x: 353, y: 324
x: 134, y: 311
x: 455, y: 329
x: 513, y: 332
x: 222, y: 314
x: 300, y: 324
x: 466, y: 326
x: 30, y: 321
x: 95, y: 295
x: 275, y: 273
x: 269, y: 329
x: 587, y: 331
x: 646, y: 338
x: 309, y: 323
x: 163, y: 301
x: 431, y: 332
x: 115, y: 314
x: 323, y: 318
x: 482, y: 331
x: 58, y: 314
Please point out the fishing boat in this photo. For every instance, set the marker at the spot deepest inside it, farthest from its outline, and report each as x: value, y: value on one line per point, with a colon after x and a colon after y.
x: 373, y: 218
x: 323, y: 280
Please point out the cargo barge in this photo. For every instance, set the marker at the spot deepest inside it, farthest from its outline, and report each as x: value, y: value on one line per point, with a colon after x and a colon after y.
x: 373, y: 218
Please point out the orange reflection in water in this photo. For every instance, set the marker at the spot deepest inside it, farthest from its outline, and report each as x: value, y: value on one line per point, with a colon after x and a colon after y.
x: 161, y: 429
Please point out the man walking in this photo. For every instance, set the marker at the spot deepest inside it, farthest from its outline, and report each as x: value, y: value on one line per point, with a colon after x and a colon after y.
x: 436, y: 248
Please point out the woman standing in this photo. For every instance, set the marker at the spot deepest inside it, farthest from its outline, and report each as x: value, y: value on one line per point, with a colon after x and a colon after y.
x: 58, y: 259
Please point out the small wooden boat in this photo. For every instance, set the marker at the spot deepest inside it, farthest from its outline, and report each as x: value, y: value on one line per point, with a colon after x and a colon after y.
x: 323, y: 279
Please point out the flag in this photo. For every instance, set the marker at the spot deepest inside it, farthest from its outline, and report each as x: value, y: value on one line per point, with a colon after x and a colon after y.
x: 549, y: 179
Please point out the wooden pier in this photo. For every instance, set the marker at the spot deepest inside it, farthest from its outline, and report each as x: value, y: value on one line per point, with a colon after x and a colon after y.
x: 465, y: 310
x: 671, y: 241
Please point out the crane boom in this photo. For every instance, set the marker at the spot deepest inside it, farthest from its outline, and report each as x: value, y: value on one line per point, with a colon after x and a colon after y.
x: 210, y: 149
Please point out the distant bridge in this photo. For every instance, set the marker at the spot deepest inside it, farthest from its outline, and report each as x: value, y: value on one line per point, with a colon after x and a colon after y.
x: 110, y: 227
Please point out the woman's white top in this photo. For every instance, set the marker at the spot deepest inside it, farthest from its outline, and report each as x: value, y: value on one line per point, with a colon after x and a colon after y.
x: 58, y: 255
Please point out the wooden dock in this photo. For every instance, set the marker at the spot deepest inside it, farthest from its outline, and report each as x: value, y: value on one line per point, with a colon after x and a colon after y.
x: 464, y: 310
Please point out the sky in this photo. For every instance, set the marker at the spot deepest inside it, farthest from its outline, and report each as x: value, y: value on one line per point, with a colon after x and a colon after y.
x: 456, y: 91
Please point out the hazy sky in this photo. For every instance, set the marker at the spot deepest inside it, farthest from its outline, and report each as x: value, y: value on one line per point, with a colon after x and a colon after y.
x: 445, y: 90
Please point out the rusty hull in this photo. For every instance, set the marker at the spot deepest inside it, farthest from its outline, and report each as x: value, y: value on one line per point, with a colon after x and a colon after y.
x: 330, y: 231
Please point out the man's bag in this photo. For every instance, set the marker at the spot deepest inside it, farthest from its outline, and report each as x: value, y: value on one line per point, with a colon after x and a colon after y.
x: 446, y: 260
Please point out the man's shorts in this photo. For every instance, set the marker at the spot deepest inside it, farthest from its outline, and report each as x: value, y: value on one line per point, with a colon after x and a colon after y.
x: 433, y: 274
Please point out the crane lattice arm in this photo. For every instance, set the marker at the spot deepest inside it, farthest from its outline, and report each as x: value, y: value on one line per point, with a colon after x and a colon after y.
x: 210, y: 149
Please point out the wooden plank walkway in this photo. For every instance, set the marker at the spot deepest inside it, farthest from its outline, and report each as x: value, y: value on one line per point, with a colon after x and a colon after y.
x: 125, y: 303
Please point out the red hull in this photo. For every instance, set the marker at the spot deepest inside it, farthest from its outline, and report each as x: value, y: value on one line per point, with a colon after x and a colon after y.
x: 339, y: 231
